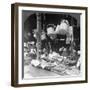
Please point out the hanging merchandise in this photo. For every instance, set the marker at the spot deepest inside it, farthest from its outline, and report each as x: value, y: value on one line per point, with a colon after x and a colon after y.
x: 62, y: 28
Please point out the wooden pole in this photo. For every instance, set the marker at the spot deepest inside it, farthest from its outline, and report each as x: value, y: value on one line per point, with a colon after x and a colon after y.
x: 38, y: 15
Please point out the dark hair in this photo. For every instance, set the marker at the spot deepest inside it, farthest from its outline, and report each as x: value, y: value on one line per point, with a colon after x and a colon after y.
x: 51, y: 25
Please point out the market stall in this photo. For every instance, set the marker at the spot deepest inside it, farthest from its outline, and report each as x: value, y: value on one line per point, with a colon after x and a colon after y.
x: 48, y: 53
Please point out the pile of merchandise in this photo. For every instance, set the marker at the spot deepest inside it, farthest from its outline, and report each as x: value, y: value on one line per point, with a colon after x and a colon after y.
x: 59, y: 64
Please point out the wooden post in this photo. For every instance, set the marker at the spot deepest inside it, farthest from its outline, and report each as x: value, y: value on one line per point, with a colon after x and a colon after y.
x: 38, y: 15
x: 44, y: 21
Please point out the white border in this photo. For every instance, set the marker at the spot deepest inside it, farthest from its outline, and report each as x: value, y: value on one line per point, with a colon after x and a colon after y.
x: 82, y: 25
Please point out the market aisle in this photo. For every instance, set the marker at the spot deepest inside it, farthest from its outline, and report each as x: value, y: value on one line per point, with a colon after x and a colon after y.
x: 30, y: 71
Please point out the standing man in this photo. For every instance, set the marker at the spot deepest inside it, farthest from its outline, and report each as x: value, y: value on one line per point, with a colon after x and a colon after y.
x: 52, y: 38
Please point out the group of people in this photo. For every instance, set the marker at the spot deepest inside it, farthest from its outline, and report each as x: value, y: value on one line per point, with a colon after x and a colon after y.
x: 57, y: 37
x: 55, y: 42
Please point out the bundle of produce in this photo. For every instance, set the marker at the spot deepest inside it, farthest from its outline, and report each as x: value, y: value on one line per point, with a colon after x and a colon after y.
x: 47, y: 65
x: 60, y: 69
x: 44, y: 57
x: 35, y: 62
x: 72, y: 71
x: 55, y: 57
